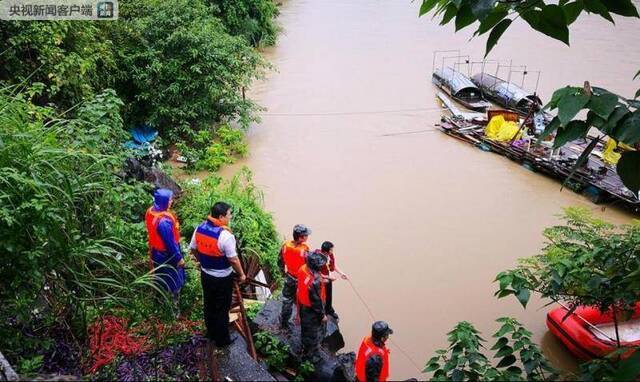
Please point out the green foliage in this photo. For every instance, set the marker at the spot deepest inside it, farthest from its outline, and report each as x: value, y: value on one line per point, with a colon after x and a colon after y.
x: 210, y: 150
x: 71, y: 59
x: 61, y: 205
x: 275, y: 352
x: 517, y: 358
x: 179, y: 65
x: 585, y: 262
x: 253, y: 309
x: 191, y: 295
x: 253, y: 227
x: 610, y: 113
x: 180, y: 70
x: 550, y: 19
x: 464, y: 360
x: 305, y: 370
x: 102, y: 115
x: 29, y: 366
x: 612, y: 367
x: 254, y: 20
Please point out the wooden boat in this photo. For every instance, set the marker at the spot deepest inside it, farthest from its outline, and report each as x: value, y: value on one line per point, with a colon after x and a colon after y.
x: 589, y: 333
x: 460, y: 88
x: 598, y: 181
x: 506, y: 94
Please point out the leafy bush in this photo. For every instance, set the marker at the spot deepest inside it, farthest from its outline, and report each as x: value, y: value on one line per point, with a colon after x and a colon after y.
x: 253, y: 227
x: 305, y: 370
x: 211, y: 150
x: 465, y: 361
x: 518, y: 359
x: 180, y: 70
x: 69, y: 58
x: 252, y: 19
x: 62, y: 202
x: 253, y: 309
x: 275, y: 352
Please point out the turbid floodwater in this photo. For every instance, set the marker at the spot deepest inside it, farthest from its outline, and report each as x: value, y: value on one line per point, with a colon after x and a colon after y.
x: 422, y: 223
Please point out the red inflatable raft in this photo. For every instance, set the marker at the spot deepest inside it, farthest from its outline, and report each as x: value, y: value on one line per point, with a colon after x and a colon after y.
x: 586, y: 342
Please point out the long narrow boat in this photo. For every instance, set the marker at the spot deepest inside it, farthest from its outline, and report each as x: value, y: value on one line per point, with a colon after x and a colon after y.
x: 506, y: 94
x: 460, y: 88
x: 598, y: 181
x: 589, y: 333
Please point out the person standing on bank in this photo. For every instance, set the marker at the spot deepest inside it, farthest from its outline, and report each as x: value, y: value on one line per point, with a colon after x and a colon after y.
x: 214, y: 247
x: 311, y: 295
x: 292, y: 257
x: 326, y: 250
x: 164, y: 244
x: 372, y: 362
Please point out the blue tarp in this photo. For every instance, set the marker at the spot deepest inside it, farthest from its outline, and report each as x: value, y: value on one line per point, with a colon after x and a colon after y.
x: 142, y: 136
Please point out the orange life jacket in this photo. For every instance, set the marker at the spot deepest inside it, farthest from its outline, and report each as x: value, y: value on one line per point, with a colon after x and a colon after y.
x: 293, y: 256
x: 305, y: 281
x: 207, y: 235
x: 369, y: 349
x: 152, y: 219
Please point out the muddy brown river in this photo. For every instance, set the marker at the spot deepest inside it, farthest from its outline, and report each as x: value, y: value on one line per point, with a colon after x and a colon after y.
x: 422, y: 222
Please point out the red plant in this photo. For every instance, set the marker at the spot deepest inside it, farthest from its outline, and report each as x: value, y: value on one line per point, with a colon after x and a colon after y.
x: 109, y: 337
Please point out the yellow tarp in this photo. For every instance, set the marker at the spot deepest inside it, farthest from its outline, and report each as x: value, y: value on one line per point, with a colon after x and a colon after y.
x: 608, y: 155
x: 500, y: 130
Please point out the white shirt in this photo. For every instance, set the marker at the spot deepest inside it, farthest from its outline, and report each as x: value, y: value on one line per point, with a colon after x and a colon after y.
x: 226, y: 245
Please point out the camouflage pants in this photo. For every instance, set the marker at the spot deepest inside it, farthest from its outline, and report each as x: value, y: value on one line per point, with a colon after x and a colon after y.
x: 311, y: 333
x: 289, y: 290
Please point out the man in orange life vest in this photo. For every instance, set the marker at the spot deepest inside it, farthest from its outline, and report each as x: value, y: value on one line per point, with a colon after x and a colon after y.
x: 311, y: 295
x: 164, y: 243
x: 292, y: 257
x: 372, y: 362
x: 214, y: 247
x: 327, y: 274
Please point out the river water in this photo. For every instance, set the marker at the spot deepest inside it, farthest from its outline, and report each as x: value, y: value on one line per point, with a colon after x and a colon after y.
x: 422, y: 222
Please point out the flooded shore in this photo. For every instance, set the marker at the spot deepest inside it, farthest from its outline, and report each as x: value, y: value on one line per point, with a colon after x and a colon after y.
x: 421, y: 222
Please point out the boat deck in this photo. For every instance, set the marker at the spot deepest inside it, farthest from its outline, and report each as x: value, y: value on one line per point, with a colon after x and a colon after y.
x: 596, y: 179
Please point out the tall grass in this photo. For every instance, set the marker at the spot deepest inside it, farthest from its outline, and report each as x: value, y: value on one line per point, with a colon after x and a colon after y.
x: 61, y: 209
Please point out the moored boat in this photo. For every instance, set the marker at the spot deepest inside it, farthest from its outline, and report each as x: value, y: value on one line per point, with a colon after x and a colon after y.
x: 506, y: 94
x: 589, y: 333
x: 460, y: 88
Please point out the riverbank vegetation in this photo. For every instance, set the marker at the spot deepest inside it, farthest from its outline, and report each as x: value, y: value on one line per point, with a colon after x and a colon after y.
x: 75, y: 252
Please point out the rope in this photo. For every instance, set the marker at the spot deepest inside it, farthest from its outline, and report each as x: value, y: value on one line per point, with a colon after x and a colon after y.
x: 361, y: 300
x: 414, y: 363
x: 432, y: 109
x: 410, y: 132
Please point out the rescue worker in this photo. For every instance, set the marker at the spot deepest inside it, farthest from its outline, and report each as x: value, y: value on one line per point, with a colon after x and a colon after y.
x: 214, y: 247
x: 292, y: 257
x: 311, y: 295
x: 164, y: 244
x: 327, y: 271
x: 372, y: 362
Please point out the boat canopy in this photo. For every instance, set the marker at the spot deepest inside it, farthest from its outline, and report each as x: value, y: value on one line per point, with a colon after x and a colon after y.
x: 459, y: 85
x: 511, y: 95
